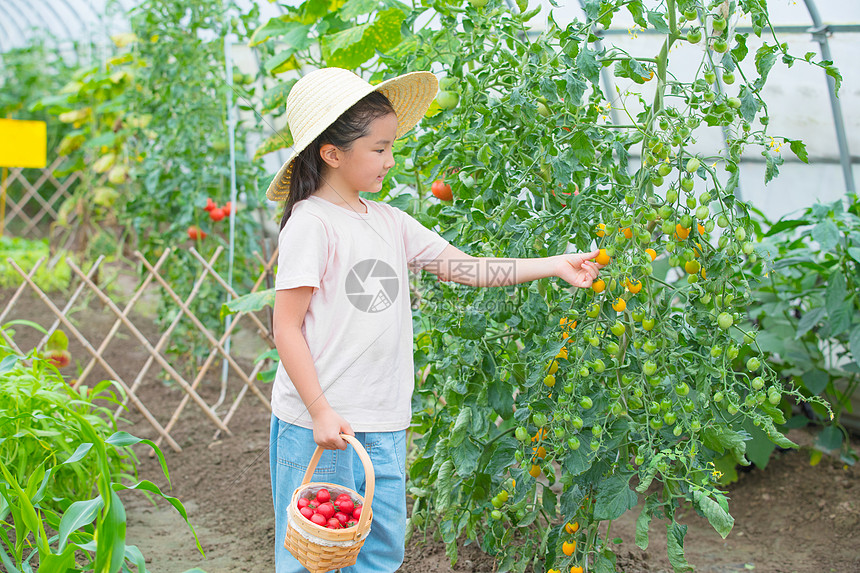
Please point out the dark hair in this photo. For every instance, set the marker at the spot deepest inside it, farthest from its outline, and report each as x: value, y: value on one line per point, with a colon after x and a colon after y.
x: 353, y: 124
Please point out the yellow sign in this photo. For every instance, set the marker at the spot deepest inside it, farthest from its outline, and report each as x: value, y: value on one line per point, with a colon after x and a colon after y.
x: 23, y: 143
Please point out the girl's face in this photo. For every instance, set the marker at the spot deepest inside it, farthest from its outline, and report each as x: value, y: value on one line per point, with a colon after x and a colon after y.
x: 363, y: 167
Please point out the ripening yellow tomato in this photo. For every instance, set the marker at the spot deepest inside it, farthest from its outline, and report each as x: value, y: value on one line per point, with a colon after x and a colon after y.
x: 602, y: 258
x: 572, y: 527
x: 634, y: 285
x: 619, y: 305
x: 651, y: 253
x: 568, y: 547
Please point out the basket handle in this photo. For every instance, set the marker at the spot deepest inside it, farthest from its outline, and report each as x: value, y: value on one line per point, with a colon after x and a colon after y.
x: 369, y: 477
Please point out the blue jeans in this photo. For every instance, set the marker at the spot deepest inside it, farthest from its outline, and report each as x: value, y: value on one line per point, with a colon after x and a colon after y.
x: 290, y: 451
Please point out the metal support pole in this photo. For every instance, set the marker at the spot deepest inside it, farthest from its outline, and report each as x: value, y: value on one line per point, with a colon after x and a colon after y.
x: 231, y: 134
x: 819, y: 34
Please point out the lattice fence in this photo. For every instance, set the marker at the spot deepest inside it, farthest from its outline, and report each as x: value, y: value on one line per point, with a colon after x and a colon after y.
x: 98, y: 347
x: 32, y: 206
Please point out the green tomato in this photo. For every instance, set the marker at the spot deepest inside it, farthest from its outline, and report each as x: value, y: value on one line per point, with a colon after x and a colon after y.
x: 694, y: 35
x: 573, y: 443
x: 586, y: 403
x: 774, y: 396
x: 496, y: 514
x: 638, y: 315
x: 682, y: 389
x: 693, y: 165
x: 653, y: 408
x: 721, y: 45
x: 670, y: 418
x: 559, y: 432
x: 690, y: 14
x: 716, y: 351
x: 542, y: 109
x: 729, y: 78
x: 648, y: 323
x: 732, y: 352
x: 584, y: 371
x: 522, y: 434
x: 649, y: 347
x: 594, y: 445
x: 656, y: 423
x: 539, y: 418
x: 593, y: 310
x: 649, y: 367
x: 612, y: 348
x: 497, y: 503
x: 702, y: 212
x: 447, y: 100
x: 576, y: 422
x: 596, y: 431
x: 733, y: 102
x: 718, y: 397
x: 568, y: 388
x: 753, y: 364
x: 687, y: 183
x: 617, y: 328
x: 598, y: 366
x: 740, y: 234
x: 725, y: 320
x: 719, y: 24
x: 757, y: 382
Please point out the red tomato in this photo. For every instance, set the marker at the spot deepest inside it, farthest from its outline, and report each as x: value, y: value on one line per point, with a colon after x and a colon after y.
x: 228, y: 206
x: 307, y: 512
x: 341, y: 517
x: 442, y: 190
x: 303, y: 502
x: 346, y: 506
x: 318, y: 519
x: 216, y: 214
x: 351, y: 523
x: 333, y: 524
x: 313, y: 504
x: 195, y: 233
x: 323, y: 496
x: 210, y: 204
x: 326, y: 510
x: 342, y: 497
x: 357, y: 512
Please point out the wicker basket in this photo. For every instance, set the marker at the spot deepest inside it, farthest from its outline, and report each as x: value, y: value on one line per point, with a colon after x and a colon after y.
x: 321, y: 549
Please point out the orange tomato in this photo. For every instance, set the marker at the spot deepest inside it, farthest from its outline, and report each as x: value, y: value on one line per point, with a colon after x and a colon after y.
x: 633, y: 286
x: 568, y: 547
x: 576, y: 569
x: 628, y: 232
x: 681, y: 233
x: 600, y: 230
x: 572, y: 527
x: 534, y: 471
x: 598, y: 286
x: 651, y: 253
x: 619, y: 305
x: 602, y: 258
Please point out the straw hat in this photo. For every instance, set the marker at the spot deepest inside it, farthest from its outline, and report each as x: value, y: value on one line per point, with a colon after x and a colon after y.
x: 320, y: 97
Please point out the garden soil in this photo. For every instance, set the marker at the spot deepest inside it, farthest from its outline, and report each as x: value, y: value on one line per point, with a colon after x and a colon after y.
x: 791, y: 517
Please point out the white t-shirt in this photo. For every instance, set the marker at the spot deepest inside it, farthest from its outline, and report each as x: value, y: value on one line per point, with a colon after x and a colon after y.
x: 359, y: 323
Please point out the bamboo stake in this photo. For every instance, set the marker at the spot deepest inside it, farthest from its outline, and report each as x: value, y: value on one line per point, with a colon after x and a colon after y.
x: 85, y: 343
x: 140, y: 336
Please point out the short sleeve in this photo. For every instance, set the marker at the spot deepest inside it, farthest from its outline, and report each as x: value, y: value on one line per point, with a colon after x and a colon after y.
x: 423, y: 245
x: 302, y: 252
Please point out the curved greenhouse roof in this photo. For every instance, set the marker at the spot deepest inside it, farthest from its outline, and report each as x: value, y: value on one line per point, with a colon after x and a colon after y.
x: 800, y: 101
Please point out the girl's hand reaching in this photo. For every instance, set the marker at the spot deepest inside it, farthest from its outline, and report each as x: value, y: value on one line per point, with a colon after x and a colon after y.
x: 578, y: 269
x: 328, y: 426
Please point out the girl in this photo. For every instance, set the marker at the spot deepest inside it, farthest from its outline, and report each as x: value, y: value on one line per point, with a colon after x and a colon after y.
x: 342, y: 320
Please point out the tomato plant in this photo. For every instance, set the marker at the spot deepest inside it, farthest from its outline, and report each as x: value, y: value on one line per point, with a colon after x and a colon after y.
x: 806, y: 303
x: 538, y: 406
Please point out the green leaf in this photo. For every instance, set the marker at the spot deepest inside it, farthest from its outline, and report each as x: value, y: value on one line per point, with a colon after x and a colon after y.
x: 276, y: 97
x: 637, y: 11
x: 718, y: 517
x: 809, y: 320
x: 354, y: 46
x: 656, y: 20
x: 777, y: 437
x: 854, y: 344
x: 799, y: 149
x: 464, y: 420
x: 675, y: 534
x: 829, y: 439
x: 78, y: 514
x: 79, y: 453
x: 815, y: 380
x: 833, y: 72
x: 586, y: 63
x: 252, y: 302
x: 297, y: 37
x: 57, y: 341
x: 784, y: 225
x: 110, y: 535
x: 826, y: 234
x: 643, y: 523
x: 465, y: 457
x: 274, y: 27
x: 740, y: 51
x: 854, y: 253
x: 503, y: 456
x: 614, y: 498
x: 765, y: 57
x: 353, y: 8
x: 721, y: 439
x: 8, y: 364
x: 583, y: 148
x: 145, y: 485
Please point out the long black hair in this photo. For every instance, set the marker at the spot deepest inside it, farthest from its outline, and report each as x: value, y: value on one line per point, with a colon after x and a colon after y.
x: 353, y: 124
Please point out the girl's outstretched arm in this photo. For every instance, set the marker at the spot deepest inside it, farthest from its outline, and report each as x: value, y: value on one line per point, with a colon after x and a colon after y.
x: 452, y: 264
x: 291, y: 305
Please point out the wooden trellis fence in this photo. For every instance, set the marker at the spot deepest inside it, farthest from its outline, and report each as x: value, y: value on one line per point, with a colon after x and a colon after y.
x: 97, y: 349
x: 27, y: 209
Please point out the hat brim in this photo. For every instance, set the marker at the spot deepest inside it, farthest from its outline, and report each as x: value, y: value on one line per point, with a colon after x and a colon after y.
x: 410, y: 95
